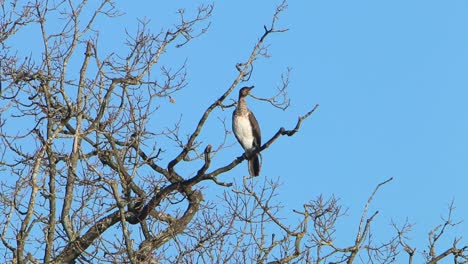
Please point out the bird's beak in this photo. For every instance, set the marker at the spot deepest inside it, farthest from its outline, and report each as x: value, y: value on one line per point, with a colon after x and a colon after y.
x: 250, y: 88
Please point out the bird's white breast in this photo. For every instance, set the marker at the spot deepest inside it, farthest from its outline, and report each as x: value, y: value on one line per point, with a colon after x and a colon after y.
x: 243, y: 131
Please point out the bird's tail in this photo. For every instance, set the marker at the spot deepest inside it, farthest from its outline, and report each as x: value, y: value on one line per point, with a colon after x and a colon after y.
x: 254, y: 165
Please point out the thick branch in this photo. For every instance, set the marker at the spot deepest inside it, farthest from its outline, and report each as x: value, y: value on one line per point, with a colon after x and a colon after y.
x: 176, y: 227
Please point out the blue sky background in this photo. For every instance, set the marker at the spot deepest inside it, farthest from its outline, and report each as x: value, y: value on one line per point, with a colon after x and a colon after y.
x: 391, y: 78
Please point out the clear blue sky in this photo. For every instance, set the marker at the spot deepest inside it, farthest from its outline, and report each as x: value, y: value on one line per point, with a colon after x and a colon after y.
x: 391, y: 78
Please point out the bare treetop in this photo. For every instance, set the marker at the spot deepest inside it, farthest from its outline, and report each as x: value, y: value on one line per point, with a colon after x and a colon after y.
x: 85, y: 179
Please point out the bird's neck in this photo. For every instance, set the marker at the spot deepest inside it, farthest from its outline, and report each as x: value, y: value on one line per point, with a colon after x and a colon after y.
x: 242, y: 106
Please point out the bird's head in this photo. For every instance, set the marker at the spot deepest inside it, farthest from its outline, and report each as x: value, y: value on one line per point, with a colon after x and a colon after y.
x: 245, y: 91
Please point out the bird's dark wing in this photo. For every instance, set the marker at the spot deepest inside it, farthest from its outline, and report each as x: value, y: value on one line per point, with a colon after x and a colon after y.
x: 255, y: 130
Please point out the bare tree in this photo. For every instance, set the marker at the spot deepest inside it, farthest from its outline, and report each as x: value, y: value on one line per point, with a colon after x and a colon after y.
x: 84, y: 179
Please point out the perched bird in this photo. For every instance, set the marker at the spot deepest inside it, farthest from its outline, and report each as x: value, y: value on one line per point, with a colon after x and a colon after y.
x: 247, y: 131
